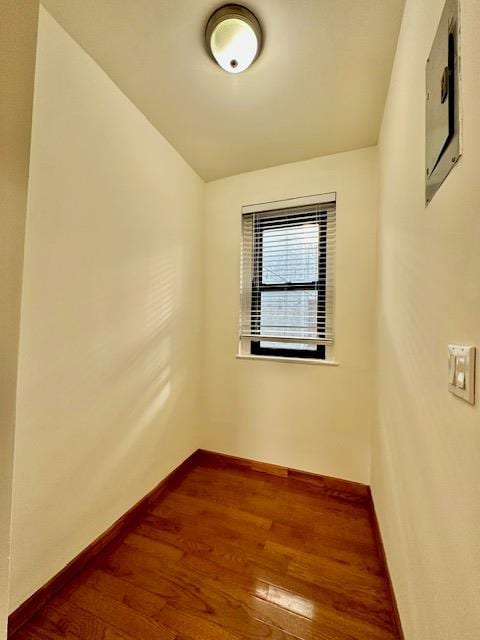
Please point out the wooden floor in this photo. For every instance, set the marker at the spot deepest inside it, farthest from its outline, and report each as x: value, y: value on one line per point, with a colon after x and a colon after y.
x: 229, y: 553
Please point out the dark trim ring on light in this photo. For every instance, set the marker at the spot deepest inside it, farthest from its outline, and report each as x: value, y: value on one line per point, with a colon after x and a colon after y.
x: 233, y: 37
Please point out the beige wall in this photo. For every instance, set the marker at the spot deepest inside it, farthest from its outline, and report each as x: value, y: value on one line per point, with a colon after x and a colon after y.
x: 108, y: 371
x: 309, y: 416
x: 112, y: 330
x: 426, y: 471
x: 18, y: 29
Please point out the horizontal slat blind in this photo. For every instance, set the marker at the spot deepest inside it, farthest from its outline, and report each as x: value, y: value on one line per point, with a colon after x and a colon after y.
x: 288, y: 274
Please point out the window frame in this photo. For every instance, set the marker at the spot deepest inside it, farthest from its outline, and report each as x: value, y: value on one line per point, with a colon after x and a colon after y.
x: 319, y: 285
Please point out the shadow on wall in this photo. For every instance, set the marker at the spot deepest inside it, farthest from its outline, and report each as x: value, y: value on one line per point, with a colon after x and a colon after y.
x: 108, y: 377
x: 142, y: 407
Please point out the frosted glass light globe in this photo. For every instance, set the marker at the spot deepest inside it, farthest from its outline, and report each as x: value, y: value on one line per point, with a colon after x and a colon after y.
x: 234, y: 45
x: 233, y: 37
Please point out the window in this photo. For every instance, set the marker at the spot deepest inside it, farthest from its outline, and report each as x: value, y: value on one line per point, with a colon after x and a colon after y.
x: 287, y: 281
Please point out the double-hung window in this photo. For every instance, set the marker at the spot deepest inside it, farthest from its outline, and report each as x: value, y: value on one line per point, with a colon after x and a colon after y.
x: 287, y: 278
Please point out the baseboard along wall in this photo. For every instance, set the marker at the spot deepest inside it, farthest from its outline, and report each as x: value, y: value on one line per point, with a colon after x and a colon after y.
x: 334, y: 486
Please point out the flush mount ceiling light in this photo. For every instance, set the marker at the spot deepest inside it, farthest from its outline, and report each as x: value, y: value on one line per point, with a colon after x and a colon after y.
x: 233, y: 37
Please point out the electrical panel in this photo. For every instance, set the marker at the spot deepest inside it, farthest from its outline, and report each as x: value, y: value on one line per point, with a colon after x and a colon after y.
x: 442, y: 148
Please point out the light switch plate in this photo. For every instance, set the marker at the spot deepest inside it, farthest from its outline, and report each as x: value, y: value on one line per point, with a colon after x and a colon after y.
x: 461, y: 371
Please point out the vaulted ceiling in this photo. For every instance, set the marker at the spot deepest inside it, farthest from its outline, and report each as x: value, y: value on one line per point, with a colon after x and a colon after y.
x: 318, y: 87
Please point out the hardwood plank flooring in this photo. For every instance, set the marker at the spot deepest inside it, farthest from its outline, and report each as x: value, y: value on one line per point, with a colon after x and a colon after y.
x: 233, y: 552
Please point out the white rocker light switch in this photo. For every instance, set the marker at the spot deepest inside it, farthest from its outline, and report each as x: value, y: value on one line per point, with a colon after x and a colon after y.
x: 461, y: 372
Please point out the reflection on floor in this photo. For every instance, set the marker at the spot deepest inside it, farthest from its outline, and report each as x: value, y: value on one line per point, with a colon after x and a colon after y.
x: 229, y: 553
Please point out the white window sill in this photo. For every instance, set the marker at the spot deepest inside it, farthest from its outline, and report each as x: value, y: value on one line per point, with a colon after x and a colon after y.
x: 326, y: 363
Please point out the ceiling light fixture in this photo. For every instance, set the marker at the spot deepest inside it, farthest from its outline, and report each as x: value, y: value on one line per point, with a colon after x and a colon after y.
x: 233, y: 37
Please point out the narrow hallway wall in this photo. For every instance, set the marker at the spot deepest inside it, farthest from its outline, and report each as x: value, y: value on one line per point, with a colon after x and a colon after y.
x: 18, y: 32
x: 426, y: 471
x: 109, y: 348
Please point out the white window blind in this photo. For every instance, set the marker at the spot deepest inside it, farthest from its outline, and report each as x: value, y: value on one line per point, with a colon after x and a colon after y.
x: 287, y: 274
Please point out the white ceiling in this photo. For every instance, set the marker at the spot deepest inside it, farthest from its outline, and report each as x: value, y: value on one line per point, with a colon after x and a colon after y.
x: 318, y: 87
